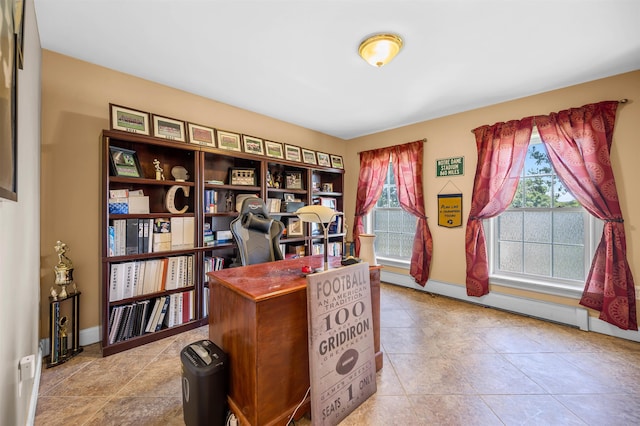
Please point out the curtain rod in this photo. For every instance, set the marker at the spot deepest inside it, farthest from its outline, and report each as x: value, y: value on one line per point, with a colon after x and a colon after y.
x: 424, y: 140
x: 621, y: 101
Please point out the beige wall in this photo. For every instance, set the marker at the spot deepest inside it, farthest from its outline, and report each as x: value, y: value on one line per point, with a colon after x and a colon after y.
x: 75, y: 109
x: 75, y: 98
x: 451, y: 137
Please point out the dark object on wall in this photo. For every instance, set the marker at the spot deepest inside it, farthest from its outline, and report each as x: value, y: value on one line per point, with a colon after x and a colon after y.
x: 8, y: 100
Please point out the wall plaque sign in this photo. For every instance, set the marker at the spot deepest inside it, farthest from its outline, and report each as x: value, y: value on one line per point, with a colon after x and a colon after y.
x: 450, y: 167
x: 341, y: 354
x: 450, y: 210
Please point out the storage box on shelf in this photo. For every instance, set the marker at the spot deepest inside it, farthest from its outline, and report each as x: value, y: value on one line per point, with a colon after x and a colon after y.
x: 160, y: 237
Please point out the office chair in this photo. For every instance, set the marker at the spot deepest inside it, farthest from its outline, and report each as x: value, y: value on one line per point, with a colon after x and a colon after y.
x: 256, y: 234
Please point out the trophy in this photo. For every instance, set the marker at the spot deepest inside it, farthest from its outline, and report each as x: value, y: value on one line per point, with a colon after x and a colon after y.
x: 63, y: 270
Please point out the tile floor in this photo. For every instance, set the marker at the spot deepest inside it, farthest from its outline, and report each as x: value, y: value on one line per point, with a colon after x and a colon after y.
x: 446, y: 363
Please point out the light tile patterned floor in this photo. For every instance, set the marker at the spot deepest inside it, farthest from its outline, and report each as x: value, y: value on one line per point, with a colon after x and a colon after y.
x: 446, y: 363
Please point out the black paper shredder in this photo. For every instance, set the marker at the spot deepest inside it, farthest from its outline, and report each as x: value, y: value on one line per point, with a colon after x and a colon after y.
x: 204, y: 384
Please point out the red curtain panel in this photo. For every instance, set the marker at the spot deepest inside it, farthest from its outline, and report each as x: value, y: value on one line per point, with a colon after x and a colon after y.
x: 502, y: 149
x: 578, y: 142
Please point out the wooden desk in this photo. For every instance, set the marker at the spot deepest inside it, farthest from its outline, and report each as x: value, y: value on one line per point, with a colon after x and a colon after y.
x: 258, y: 316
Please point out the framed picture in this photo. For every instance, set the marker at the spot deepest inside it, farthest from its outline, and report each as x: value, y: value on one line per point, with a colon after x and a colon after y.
x: 252, y: 145
x: 292, y: 153
x: 274, y: 149
x: 18, y: 22
x: 324, y: 159
x: 8, y: 101
x: 308, y: 156
x: 294, y: 227
x: 336, y: 162
x: 229, y: 141
x: 288, y: 198
x: 124, y: 162
x: 242, y: 176
x: 293, y: 180
x: 327, y: 187
x: 129, y: 120
x: 328, y: 202
x: 168, y: 128
x: 201, y: 135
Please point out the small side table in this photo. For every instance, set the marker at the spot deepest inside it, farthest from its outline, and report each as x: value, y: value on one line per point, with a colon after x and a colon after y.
x: 64, y: 332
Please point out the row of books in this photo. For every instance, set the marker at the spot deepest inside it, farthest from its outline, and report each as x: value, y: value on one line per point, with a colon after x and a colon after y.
x: 212, y: 263
x: 137, y: 278
x: 210, y: 201
x: 138, y: 318
x: 138, y: 236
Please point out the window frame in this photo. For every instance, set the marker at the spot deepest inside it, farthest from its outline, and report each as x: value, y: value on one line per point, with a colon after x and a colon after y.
x: 369, y: 227
x: 593, y: 229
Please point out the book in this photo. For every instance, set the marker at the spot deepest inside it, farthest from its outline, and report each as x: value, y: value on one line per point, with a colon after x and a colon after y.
x: 116, y: 282
x: 144, y: 316
x: 163, y: 312
x: 111, y: 250
x: 129, y: 279
x: 115, y: 327
x: 132, y: 237
x: 120, y: 237
x: 153, y: 318
x: 171, y: 281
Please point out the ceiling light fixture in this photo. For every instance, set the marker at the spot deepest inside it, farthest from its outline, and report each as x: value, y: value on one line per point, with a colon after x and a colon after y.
x: 380, y: 49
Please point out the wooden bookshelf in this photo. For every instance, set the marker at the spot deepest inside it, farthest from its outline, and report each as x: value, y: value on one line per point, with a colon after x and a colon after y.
x: 209, y: 171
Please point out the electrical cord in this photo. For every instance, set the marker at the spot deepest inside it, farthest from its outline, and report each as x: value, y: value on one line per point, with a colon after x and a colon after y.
x: 290, y: 421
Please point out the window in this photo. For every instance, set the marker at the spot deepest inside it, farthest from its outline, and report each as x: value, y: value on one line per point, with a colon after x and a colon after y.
x: 394, y: 228
x: 545, y: 240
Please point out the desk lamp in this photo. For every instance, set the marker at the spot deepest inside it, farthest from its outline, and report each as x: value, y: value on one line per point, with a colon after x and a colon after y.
x: 324, y: 216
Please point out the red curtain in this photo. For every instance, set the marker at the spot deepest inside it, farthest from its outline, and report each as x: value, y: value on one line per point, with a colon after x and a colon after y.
x: 373, y: 171
x: 578, y: 142
x: 502, y: 149
x: 407, y: 167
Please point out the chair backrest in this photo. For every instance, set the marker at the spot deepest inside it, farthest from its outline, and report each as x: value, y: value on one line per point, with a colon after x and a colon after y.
x: 257, y: 235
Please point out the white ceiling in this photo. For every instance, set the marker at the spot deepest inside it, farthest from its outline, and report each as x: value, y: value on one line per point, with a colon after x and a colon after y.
x: 297, y: 61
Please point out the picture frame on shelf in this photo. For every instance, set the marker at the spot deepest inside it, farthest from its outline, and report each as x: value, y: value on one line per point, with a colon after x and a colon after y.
x: 292, y: 153
x: 129, y: 120
x: 274, y: 149
x: 253, y: 145
x: 308, y: 156
x: 242, y: 176
x: 293, y: 180
x: 124, y: 162
x: 336, y: 162
x: 229, y: 141
x: 168, y: 128
x: 18, y: 22
x: 288, y: 197
x: 328, y: 202
x: 294, y: 227
x: 201, y: 135
x: 327, y: 187
x: 323, y: 159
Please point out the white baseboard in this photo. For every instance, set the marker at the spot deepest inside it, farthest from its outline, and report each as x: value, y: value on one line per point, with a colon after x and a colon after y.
x: 571, y: 315
x: 88, y: 336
